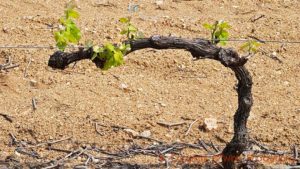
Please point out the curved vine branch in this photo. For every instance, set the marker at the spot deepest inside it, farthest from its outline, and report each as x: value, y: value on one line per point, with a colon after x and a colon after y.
x: 199, y: 48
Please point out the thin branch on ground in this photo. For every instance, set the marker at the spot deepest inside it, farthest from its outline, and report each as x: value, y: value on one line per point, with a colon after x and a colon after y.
x: 97, y: 130
x: 170, y: 124
x: 14, y: 140
x: 8, y: 67
x: 151, y: 139
x: 25, y: 151
x: 8, y: 64
x: 214, y: 147
x: 190, y: 126
x: 272, y: 56
x: 33, y: 102
x: 295, y: 151
x: 25, y: 71
x: 203, y: 144
x: 6, y: 117
x: 259, y: 144
x: 49, y: 143
x: 96, y: 156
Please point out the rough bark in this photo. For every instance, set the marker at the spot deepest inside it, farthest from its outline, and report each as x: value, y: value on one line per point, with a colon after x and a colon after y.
x: 199, y: 48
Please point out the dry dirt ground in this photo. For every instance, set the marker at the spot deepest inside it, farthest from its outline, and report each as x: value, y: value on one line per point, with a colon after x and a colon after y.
x: 152, y: 86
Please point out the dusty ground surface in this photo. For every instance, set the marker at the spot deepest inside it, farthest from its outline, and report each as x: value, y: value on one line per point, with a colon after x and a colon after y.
x: 160, y: 86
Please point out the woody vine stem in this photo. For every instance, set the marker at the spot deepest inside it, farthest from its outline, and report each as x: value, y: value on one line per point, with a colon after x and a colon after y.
x: 200, y: 49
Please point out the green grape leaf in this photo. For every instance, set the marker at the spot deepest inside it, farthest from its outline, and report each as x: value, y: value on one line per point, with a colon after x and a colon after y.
x: 96, y: 49
x: 124, y: 20
x: 124, y: 32
x: 122, y: 47
x: 132, y: 28
x: 58, y: 36
x: 128, y: 47
x: 223, y: 41
x: 224, y: 25
x: 88, y: 44
x: 109, y: 47
x: 68, y: 36
x: 109, y: 63
x: 140, y: 35
x: 62, y: 20
x: 219, y: 33
x: 61, y: 42
x: 208, y: 26
x: 129, y: 30
x: 245, y: 47
x: 69, y: 33
x: 71, y: 13
x: 94, y: 56
x: 61, y: 45
x: 224, y: 33
x: 75, y: 32
x: 250, y: 46
x: 118, y: 57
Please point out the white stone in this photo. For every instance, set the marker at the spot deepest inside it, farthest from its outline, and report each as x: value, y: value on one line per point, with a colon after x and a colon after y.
x: 274, y: 54
x: 123, y: 86
x: 159, y: 2
x: 256, y: 148
x: 210, y: 124
x: 146, y: 133
x: 162, y: 104
x: 131, y: 132
x: 33, y: 83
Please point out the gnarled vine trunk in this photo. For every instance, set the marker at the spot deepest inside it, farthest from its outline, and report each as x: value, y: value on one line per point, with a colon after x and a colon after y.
x: 199, y: 48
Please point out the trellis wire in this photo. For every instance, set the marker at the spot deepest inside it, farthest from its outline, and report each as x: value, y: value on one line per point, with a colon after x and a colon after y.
x: 80, y: 46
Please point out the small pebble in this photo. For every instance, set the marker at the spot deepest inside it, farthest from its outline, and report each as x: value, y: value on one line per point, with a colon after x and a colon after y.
x: 33, y: 83
x: 131, y: 132
x: 123, y: 86
x: 210, y: 124
x: 146, y: 133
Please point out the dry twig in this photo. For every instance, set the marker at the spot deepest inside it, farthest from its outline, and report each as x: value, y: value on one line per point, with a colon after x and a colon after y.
x: 97, y: 130
x: 33, y: 101
x: 203, y: 144
x: 49, y: 143
x: 295, y: 151
x: 8, y: 65
x: 151, y: 139
x: 170, y: 124
x: 214, y: 147
x: 6, y: 117
x: 187, y: 132
x: 25, y: 71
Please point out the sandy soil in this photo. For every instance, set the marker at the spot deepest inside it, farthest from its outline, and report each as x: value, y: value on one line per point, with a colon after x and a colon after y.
x: 160, y: 86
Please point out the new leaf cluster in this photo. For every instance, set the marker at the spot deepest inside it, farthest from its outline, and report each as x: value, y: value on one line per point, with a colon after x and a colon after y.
x: 113, y: 55
x: 130, y: 30
x: 219, y: 33
x: 69, y: 32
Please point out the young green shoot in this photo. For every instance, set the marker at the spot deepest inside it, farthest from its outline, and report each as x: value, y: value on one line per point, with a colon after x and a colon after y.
x: 219, y: 31
x: 250, y: 47
x: 113, y: 55
x: 130, y: 30
x: 69, y: 32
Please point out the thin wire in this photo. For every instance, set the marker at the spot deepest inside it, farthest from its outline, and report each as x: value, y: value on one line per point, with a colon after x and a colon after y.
x: 262, y: 41
x: 26, y: 46
x: 33, y: 47
x: 74, y: 47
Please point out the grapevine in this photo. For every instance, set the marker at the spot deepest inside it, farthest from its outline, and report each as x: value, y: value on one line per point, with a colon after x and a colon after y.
x: 111, y: 55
